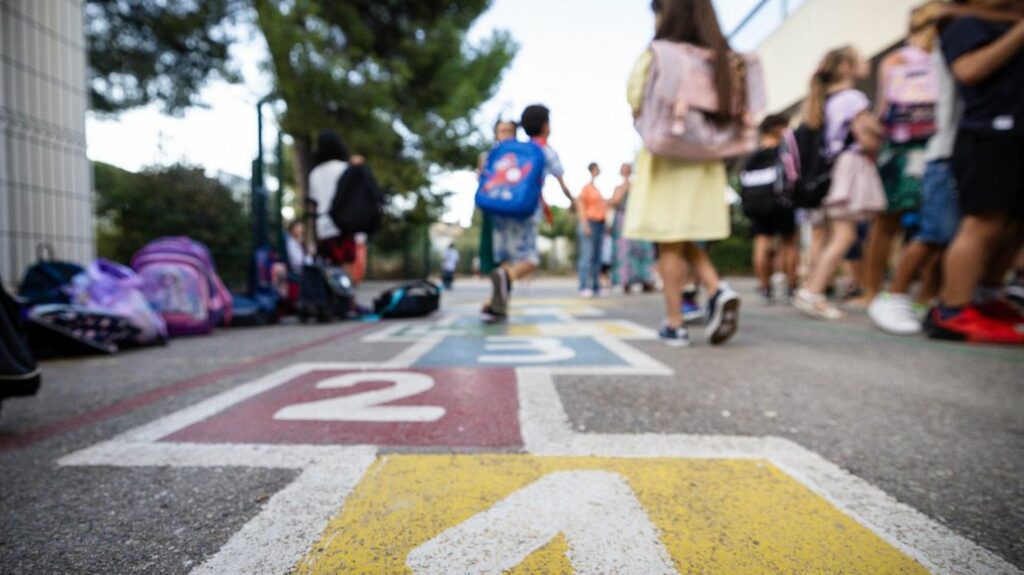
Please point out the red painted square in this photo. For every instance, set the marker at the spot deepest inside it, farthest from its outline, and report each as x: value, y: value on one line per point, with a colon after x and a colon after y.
x: 481, y: 409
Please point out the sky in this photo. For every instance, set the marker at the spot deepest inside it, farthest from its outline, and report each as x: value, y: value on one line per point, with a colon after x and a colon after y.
x: 575, y: 57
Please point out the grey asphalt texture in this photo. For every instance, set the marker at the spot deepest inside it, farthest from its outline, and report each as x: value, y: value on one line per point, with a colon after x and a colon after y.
x: 939, y: 426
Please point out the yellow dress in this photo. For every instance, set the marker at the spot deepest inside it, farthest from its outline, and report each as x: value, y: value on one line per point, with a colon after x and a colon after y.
x: 673, y: 200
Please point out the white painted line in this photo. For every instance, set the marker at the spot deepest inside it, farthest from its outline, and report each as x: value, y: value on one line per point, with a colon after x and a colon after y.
x: 605, y: 527
x: 117, y: 453
x: 276, y: 539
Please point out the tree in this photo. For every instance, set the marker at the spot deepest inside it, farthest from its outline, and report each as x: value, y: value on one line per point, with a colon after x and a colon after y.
x: 396, y: 78
x: 134, y: 209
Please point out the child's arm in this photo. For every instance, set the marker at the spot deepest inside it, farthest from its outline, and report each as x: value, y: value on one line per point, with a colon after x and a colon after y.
x: 943, y: 12
x: 975, y: 67
x: 869, y: 133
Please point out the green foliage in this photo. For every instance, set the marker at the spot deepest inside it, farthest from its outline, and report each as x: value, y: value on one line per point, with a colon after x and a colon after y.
x: 134, y: 209
x: 144, y: 51
x: 395, y: 78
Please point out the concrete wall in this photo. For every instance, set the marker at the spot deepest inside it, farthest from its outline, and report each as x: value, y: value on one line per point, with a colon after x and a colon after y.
x: 45, y: 176
x: 791, y: 54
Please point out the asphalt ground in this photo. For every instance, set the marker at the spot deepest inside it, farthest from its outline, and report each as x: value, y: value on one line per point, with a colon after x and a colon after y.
x: 937, y: 426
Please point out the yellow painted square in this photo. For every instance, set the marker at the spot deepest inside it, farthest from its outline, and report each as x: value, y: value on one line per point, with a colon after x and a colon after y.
x: 577, y: 329
x: 713, y: 516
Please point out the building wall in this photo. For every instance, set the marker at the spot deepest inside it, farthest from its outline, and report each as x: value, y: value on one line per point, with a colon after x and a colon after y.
x: 45, y: 175
x: 791, y: 54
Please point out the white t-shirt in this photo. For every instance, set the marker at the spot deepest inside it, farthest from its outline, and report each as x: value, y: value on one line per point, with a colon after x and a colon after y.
x: 948, y: 112
x: 323, y: 184
x: 297, y: 257
x: 451, y: 260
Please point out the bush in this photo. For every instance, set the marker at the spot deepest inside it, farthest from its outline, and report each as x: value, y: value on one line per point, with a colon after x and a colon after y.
x: 134, y: 209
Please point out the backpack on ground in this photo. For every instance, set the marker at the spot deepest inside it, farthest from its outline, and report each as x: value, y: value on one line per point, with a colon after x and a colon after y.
x: 808, y: 166
x: 325, y: 294
x: 260, y: 305
x: 112, y: 288
x: 513, y: 180
x: 59, y: 330
x: 912, y: 97
x: 180, y: 281
x: 678, y: 116
x: 47, y: 281
x: 412, y: 300
x: 763, y: 184
x: 358, y: 204
x: 19, y: 374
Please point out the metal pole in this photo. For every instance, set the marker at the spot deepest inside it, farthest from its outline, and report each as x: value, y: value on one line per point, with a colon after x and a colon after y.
x: 279, y: 216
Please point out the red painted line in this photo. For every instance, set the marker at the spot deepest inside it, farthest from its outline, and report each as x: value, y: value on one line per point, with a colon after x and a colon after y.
x: 125, y: 405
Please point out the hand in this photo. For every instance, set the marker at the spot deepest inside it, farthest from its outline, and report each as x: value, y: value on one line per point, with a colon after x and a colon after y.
x: 585, y: 227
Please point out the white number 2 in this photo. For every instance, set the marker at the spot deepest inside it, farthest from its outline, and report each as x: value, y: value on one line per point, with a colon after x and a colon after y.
x: 368, y: 406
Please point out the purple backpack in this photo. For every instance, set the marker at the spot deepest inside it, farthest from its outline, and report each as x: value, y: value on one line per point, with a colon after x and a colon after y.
x: 180, y: 281
x: 113, y: 288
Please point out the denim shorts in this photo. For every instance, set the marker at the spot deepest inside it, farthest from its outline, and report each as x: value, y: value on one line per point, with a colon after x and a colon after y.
x: 940, y: 208
x: 515, y: 240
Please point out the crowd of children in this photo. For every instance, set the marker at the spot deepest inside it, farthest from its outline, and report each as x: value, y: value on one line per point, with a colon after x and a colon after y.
x: 937, y: 159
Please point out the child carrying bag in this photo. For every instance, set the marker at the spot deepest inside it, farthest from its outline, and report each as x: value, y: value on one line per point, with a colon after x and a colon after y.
x: 678, y: 120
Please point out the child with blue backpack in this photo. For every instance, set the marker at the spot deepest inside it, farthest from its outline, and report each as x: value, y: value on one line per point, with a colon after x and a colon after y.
x: 511, y: 187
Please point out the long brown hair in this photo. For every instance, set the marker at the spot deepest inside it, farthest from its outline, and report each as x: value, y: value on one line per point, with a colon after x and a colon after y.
x: 695, y: 22
x: 826, y: 76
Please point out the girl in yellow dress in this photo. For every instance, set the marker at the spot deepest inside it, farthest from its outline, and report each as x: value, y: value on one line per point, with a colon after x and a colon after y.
x: 676, y: 203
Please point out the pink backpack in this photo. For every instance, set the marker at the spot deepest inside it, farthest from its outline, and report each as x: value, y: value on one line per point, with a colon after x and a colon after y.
x: 913, y: 90
x: 680, y: 100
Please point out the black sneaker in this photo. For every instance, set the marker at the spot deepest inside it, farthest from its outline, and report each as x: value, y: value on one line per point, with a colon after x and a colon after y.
x: 501, y: 285
x: 675, y: 337
x: 723, y: 316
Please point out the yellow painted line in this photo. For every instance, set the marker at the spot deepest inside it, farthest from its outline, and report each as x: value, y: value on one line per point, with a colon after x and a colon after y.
x: 576, y: 329
x: 712, y: 516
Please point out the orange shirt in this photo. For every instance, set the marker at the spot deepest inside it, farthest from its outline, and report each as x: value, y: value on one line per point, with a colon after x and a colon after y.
x: 595, y: 208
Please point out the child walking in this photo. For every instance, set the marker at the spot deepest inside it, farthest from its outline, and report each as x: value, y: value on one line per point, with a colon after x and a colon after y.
x: 593, y: 214
x: 675, y: 203
x: 853, y: 136
x: 515, y: 240
x: 987, y: 60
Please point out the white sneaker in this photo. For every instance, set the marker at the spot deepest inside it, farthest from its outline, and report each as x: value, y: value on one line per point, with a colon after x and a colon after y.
x: 587, y: 293
x: 816, y: 306
x: 894, y: 313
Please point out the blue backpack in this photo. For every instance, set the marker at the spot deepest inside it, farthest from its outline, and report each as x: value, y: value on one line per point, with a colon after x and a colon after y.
x: 513, y: 180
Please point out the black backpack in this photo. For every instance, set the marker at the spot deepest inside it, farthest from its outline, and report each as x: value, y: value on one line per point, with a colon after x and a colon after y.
x: 814, y: 165
x: 46, y: 280
x: 418, y: 299
x: 763, y: 184
x: 19, y: 374
x: 358, y: 205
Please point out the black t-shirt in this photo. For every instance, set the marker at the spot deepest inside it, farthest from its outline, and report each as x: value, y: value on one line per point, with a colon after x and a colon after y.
x: 996, y: 104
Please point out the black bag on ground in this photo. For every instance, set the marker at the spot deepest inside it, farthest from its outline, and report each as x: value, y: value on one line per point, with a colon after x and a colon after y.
x: 325, y: 293
x: 19, y: 374
x: 45, y: 281
x: 418, y: 299
x: 358, y: 205
x: 763, y: 184
x: 66, y: 331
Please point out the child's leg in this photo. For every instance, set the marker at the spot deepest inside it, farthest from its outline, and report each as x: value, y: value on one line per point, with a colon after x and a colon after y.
x: 522, y: 270
x: 791, y: 258
x: 596, y: 249
x: 1005, y: 256
x: 914, y: 261
x: 968, y: 257
x: 586, y: 257
x: 931, y: 281
x: 672, y: 266
x: 843, y: 234
x: 879, y: 249
x: 703, y: 269
x: 762, y: 260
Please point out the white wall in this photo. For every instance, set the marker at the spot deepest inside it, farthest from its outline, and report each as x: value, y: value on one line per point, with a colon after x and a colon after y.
x: 45, y: 175
x: 791, y: 54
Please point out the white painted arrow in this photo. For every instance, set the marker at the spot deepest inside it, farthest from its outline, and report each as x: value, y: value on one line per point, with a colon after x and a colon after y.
x: 606, y: 529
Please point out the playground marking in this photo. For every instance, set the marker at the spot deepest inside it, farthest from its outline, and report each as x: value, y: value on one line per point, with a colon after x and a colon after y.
x: 295, y: 518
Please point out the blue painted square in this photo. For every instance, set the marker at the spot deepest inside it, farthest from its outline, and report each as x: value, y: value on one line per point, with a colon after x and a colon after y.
x: 520, y: 352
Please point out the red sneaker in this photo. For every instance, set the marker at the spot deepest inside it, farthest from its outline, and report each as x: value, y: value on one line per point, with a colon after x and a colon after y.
x: 971, y: 326
x: 1000, y: 310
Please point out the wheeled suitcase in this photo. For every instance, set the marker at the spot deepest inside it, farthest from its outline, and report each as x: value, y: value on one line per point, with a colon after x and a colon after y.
x: 325, y: 294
